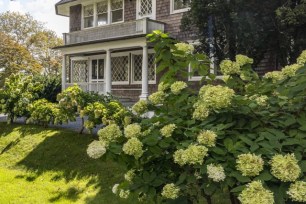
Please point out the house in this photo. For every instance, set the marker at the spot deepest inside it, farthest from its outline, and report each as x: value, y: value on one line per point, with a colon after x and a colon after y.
x: 106, y: 49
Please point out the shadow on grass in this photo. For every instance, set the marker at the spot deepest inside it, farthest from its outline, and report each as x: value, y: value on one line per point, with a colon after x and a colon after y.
x: 71, y: 194
x: 65, y: 152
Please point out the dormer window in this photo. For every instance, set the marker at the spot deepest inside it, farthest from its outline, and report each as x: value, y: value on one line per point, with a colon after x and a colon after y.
x: 88, y: 16
x: 102, y: 13
x: 178, y: 6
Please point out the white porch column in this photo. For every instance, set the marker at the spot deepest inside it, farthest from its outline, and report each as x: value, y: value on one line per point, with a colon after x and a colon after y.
x: 145, y: 83
x: 64, y: 72
x: 108, y: 72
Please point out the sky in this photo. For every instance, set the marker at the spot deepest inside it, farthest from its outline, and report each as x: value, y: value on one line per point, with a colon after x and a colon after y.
x: 42, y: 10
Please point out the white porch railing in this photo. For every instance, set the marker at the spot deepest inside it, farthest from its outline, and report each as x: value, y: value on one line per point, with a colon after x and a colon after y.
x: 131, y: 28
x: 98, y: 87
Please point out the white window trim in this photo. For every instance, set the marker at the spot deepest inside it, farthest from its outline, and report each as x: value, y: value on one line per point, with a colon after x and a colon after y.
x: 72, y: 59
x: 172, y: 11
x: 95, y: 19
x: 139, y: 52
x: 129, y: 62
x: 96, y: 57
x: 212, y: 66
x: 153, y: 15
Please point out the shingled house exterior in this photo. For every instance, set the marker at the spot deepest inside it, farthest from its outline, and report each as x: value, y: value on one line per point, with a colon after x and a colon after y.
x: 106, y: 49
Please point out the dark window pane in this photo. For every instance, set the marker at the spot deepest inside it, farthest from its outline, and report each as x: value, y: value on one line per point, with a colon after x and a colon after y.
x: 94, y: 69
x: 117, y: 16
x: 181, y: 4
x: 88, y: 22
x: 101, y: 69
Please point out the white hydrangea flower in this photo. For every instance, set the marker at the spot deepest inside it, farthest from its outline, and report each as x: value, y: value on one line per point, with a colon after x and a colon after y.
x: 115, y: 188
x: 96, y: 149
x: 215, y: 172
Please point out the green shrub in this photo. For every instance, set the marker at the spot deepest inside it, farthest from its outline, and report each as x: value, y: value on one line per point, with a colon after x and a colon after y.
x: 97, y: 109
x: 18, y: 92
x: 51, y: 86
x: 245, y: 136
x: 44, y: 112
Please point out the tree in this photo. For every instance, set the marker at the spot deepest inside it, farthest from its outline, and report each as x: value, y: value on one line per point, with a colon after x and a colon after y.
x: 31, y: 34
x: 41, y: 44
x: 15, y: 58
x: 251, y: 27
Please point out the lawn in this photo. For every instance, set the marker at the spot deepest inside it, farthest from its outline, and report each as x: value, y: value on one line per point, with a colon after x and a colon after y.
x: 39, y: 165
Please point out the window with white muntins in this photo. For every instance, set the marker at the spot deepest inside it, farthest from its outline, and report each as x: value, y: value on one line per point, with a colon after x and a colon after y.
x: 137, y: 68
x: 178, y: 6
x: 102, y: 13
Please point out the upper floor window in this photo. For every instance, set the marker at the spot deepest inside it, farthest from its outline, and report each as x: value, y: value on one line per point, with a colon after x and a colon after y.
x: 117, y: 10
x: 178, y: 6
x: 102, y: 13
x: 88, y: 16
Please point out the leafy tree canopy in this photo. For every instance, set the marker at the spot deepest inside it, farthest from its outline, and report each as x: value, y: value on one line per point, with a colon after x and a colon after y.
x: 34, y: 44
x: 251, y: 27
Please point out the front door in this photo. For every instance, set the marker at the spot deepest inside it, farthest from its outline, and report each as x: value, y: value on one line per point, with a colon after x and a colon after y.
x: 146, y: 9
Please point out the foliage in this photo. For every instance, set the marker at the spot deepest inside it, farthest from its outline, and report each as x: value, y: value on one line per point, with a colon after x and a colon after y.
x: 51, y: 86
x: 15, y: 58
x: 254, y: 141
x: 32, y: 42
x: 235, y: 27
x: 18, y: 92
x: 171, y: 55
x: 44, y: 112
x: 97, y: 109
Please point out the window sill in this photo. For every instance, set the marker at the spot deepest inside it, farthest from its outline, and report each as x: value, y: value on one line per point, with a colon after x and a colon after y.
x: 179, y: 11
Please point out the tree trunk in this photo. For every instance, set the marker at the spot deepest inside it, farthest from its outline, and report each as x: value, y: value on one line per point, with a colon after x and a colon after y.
x: 233, y: 198
x: 82, y: 129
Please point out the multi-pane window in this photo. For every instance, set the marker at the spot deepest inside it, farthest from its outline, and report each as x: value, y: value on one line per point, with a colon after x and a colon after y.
x: 137, y: 68
x: 102, y: 13
x: 120, y: 69
x: 146, y: 7
x: 79, y: 71
x: 88, y: 16
x: 97, y: 70
x: 117, y: 10
x: 180, y: 5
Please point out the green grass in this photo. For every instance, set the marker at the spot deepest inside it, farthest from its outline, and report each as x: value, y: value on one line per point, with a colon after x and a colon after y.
x: 39, y: 165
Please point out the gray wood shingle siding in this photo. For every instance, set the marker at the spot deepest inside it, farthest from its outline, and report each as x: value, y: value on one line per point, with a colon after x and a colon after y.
x: 172, y: 26
x: 75, y: 19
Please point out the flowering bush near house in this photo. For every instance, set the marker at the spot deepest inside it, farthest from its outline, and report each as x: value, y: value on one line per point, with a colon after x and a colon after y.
x: 18, y: 92
x: 245, y: 136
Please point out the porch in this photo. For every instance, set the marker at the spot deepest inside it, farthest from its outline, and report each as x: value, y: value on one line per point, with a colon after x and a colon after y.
x: 124, y: 68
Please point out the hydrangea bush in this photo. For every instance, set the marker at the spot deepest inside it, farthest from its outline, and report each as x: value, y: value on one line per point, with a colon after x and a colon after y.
x: 18, y: 92
x: 244, y: 136
x: 44, y: 113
